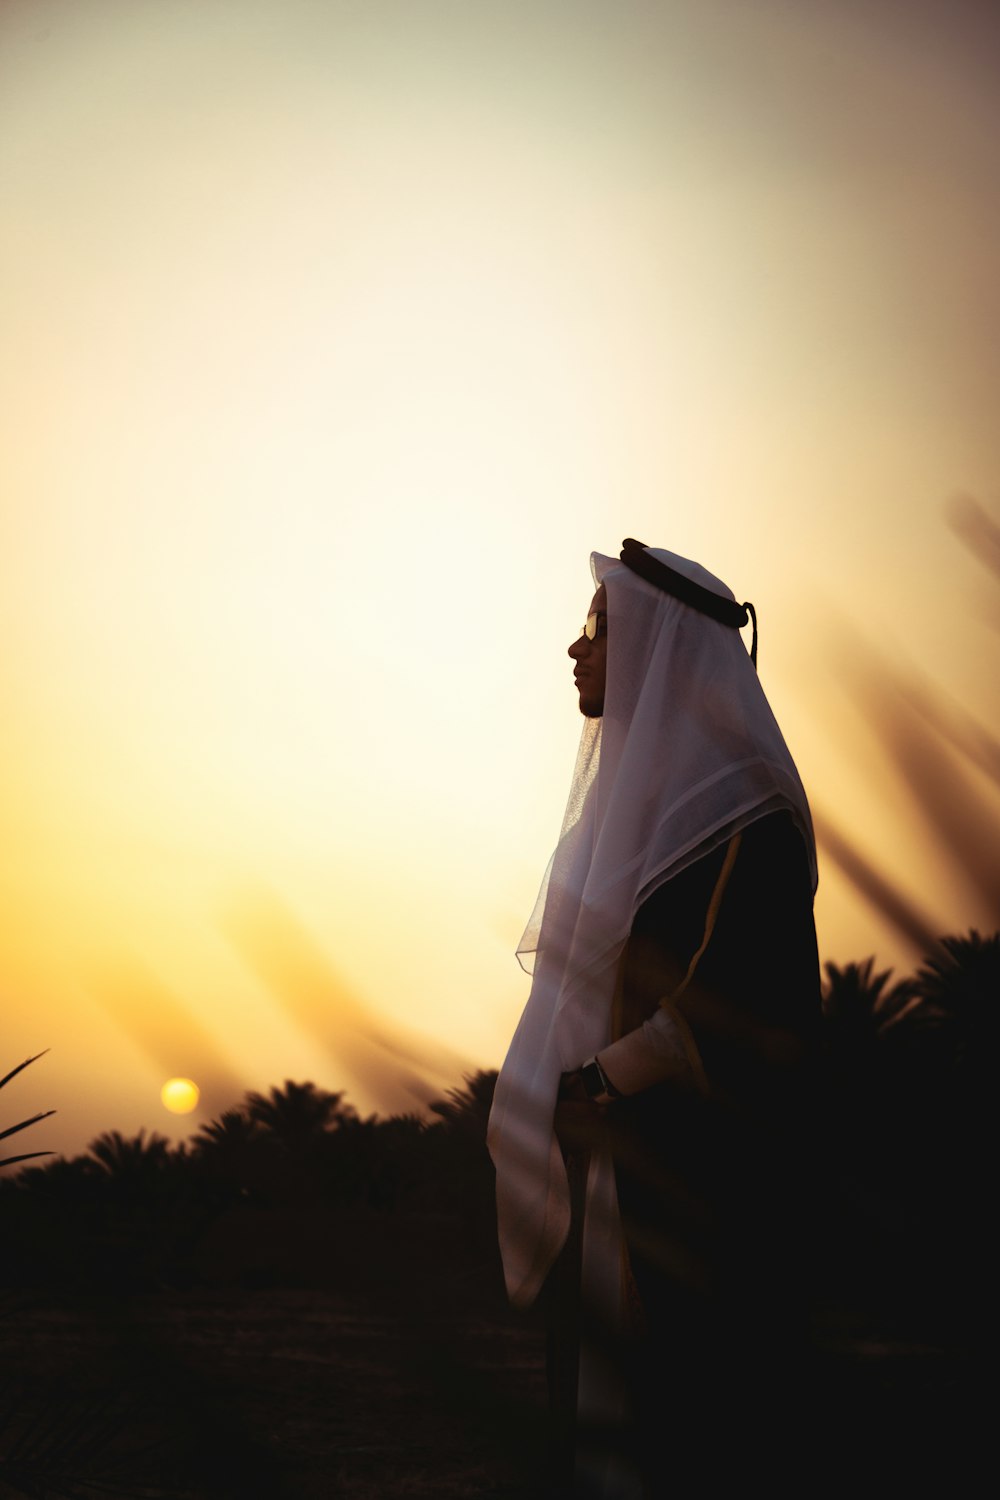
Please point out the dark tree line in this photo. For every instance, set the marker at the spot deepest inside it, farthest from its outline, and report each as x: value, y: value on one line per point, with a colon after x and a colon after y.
x: 288, y: 1188
x: 295, y: 1188
x: 911, y: 1130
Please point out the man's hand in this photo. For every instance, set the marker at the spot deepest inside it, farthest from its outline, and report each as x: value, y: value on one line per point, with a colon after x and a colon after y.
x: 579, y: 1122
x: 571, y: 1088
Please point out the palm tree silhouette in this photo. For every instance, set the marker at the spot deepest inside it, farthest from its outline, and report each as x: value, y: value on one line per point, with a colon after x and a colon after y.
x: 233, y: 1133
x: 298, y: 1114
x: 858, y: 1007
x: 959, y: 987
x: 910, y: 1127
x: 467, y: 1108
x: 136, y: 1160
x: 962, y: 982
x: 464, y: 1169
x: 234, y: 1158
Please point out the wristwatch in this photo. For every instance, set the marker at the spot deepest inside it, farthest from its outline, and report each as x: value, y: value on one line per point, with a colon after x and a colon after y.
x: 596, y: 1083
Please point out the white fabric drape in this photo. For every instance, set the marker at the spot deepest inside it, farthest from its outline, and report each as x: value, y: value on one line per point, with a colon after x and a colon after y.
x: 687, y: 753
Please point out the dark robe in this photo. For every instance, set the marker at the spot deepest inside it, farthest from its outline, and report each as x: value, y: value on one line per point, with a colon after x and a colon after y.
x: 713, y: 1172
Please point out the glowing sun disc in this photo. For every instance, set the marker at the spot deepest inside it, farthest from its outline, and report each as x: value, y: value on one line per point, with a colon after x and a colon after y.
x: 180, y: 1095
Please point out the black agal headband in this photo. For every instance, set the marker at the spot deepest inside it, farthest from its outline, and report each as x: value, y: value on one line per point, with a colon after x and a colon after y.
x: 726, y: 611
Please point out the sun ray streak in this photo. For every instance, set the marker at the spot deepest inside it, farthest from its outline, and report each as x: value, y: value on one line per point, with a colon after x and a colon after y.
x: 394, y: 1064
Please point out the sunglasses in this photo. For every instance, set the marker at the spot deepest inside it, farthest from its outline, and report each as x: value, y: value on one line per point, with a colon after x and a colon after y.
x: 597, y: 624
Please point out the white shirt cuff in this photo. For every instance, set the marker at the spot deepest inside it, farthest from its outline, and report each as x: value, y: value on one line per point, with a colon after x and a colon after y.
x: 660, y: 1048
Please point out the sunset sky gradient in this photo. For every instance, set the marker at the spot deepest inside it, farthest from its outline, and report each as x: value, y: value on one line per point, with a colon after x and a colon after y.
x: 334, y: 338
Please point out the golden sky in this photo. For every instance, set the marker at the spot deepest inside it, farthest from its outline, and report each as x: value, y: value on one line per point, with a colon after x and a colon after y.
x: 333, y: 338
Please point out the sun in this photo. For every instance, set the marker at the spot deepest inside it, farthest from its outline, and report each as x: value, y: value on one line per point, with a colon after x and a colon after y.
x: 180, y: 1095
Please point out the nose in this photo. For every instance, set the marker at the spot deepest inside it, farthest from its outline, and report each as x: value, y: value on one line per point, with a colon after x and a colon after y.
x: 579, y: 647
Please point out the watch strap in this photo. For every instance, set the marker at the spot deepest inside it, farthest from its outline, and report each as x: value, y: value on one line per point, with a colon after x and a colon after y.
x: 596, y: 1082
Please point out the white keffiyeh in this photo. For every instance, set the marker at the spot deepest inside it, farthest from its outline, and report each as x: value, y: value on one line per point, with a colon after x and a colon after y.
x: 687, y: 753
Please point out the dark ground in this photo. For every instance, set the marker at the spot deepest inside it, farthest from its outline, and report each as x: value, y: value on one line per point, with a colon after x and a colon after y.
x: 270, y: 1393
x: 204, y: 1394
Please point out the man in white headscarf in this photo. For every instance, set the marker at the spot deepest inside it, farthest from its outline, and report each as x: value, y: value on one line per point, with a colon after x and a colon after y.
x: 643, y: 1115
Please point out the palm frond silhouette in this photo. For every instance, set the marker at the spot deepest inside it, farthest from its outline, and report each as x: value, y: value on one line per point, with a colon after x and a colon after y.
x: 946, y: 759
x: 8, y: 1161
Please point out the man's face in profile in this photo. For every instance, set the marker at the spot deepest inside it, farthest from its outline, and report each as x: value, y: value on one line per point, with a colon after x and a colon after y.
x: 590, y: 653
